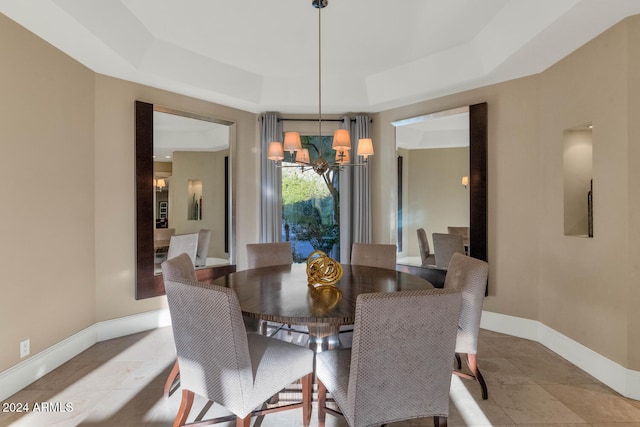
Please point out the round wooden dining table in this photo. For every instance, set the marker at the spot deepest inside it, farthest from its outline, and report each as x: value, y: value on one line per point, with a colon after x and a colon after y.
x: 281, y: 294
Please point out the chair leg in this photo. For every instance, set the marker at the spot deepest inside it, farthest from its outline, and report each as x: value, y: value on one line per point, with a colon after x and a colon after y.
x: 473, y: 366
x: 322, y: 401
x: 243, y: 422
x: 440, y: 421
x: 306, y: 399
x: 185, y: 407
x: 175, y: 371
x: 263, y: 327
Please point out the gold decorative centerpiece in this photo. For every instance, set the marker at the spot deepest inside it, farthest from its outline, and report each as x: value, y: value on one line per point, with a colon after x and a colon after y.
x: 324, y: 298
x: 322, y: 270
x: 322, y: 274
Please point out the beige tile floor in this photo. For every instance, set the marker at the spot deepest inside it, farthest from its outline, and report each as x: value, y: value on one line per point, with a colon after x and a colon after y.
x: 120, y: 382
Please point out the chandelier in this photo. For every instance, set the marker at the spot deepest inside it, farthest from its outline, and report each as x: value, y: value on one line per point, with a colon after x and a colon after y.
x: 341, y: 138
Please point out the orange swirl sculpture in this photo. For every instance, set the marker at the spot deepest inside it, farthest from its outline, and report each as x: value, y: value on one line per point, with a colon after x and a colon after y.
x: 322, y: 270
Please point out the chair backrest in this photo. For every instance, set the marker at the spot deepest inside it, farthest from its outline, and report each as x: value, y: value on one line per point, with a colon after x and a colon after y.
x: 183, y: 243
x: 180, y: 269
x: 374, y: 255
x: 469, y: 275
x: 444, y: 246
x: 268, y: 254
x: 388, y: 381
x: 463, y: 231
x: 204, y: 236
x: 211, y: 341
x: 423, y: 246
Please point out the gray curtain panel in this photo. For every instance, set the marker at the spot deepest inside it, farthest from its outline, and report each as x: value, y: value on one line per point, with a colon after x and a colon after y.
x: 355, y: 188
x: 361, y: 187
x: 345, y: 203
x: 270, y: 182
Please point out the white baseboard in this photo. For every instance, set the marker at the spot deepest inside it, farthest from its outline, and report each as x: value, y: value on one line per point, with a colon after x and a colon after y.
x: 133, y: 324
x: 619, y: 378
x: 24, y: 373
x: 623, y: 380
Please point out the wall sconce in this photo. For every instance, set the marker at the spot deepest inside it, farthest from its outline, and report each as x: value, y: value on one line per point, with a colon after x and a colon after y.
x: 159, y: 184
x: 465, y: 181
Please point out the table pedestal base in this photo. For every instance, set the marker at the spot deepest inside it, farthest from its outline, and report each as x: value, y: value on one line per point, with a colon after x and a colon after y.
x: 323, y: 337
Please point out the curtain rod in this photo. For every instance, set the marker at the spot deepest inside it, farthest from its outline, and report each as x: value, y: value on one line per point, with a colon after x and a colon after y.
x: 315, y: 120
x: 311, y: 120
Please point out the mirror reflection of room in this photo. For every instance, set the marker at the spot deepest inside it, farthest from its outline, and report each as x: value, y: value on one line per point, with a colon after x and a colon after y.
x: 189, y: 184
x: 435, y: 187
x: 194, y: 200
x: 578, y: 181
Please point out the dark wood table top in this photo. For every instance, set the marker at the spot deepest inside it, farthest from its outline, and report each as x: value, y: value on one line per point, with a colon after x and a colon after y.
x: 281, y: 294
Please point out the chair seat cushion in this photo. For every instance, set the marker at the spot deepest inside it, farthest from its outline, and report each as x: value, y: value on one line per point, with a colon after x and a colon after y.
x: 275, y: 362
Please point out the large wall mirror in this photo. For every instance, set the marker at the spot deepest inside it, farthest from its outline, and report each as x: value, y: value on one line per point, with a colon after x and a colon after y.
x: 442, y: 179
x: 183, y: 186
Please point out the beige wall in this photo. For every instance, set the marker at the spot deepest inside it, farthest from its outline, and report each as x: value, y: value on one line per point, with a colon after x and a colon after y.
x: 47, y: 291
x: 115, y: 210
x: 632, y: 290
x: 585, y: 289
x: 209, y: 168
x: 68, y: 136
x: 64, y: 127
x: 435, y: 197
x: 584, y: 283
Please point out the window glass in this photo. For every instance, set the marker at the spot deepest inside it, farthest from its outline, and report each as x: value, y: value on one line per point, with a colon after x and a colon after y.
x: 311, y: 203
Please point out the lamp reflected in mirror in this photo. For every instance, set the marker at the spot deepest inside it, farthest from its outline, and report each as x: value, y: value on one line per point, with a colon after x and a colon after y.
x: 159, y: 184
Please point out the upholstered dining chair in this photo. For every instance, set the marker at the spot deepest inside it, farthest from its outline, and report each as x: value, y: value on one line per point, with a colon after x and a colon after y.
x: 220, y: 361
x: 469, y: 275
x: 183, y: 243
x: 182, y: 271
x: 378, y: 381
x: 465, y: 233
x: 423, y: 246
x: 374, y: 255
x: 268, y: 254
x: 204, y: 237
x: 444, y: 246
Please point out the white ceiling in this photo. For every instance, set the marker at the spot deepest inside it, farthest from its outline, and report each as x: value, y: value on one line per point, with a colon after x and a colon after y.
x: 445, y: 129
x: 172, y: 132
x: 263, y: 55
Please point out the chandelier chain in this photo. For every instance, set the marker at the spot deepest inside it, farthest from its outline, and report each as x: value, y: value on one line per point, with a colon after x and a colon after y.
x: 319, y: 71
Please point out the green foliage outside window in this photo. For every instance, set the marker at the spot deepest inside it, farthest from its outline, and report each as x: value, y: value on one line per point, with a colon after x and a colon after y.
x: 311, y: 203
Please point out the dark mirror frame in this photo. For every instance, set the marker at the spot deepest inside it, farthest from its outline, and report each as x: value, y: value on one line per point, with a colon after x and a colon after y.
x: 478, y: 184
x: 148, y: 284
x: 478, y: 200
